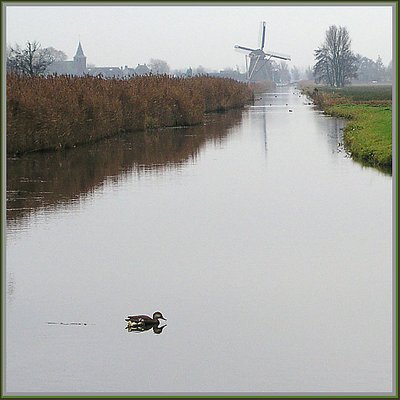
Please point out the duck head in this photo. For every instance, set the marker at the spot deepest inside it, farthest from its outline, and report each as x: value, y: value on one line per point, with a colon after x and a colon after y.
x: 157, y: 315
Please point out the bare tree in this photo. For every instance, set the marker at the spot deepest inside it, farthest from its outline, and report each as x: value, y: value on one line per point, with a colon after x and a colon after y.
x: 282, y: 74
x: 295, y: 73
x: 309, y: 73
x: 336, y: 63
x: 31, y: 60
x: 58, y: 55
x: 389, y: 70
x: 158, y: 66
x: 200, y: 70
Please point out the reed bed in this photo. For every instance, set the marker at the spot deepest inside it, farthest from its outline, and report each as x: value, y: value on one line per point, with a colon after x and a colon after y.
x: 361, y: 93
x: 62, y: 111
x: 324, y: 96
x: 262, y: 87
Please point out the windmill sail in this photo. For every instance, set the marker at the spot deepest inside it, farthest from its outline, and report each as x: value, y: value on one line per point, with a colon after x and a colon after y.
x: 259, y: 58
x: 244, y: 48
x: 277, y: 55
x: 263, y: 36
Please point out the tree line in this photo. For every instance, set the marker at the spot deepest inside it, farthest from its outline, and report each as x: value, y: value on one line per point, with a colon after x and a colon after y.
x: 31, y: 60
x: 336, y: 64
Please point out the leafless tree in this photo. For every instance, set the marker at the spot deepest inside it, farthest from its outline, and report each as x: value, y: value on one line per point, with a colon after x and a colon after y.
x: 158, y: 66
x: 282, y: 74
x: 58, y: 55
x: 31, y: 60
x: 336, y: 63
x: 309, y: 73
x: 369, y: 70
x: 295, y: 73
x: 200, y: 70
x: 389, y: 71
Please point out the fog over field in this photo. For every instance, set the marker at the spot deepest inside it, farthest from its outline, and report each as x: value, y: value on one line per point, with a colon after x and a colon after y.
x: 191, y: 35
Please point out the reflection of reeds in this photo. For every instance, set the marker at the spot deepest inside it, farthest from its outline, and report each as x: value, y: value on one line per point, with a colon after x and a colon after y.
x: 54, y: 112
x: 41, y: 180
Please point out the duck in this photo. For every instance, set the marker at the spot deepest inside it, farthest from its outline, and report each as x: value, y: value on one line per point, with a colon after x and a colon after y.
x: 144, y: 320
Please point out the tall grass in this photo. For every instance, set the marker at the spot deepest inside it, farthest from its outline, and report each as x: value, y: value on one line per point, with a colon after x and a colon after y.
x: 324, y: 96
x: 261, y: 87
x: 361, y: 93
x: 61, y: 111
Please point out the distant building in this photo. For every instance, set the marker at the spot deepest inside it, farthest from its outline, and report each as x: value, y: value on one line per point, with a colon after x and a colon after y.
x: 142, y: 69
x: 128, y: 72
x: 107, y: 72
x: 75, y: 67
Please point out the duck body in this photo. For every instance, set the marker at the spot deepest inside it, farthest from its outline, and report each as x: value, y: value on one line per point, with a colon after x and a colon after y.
x: 144, y: 320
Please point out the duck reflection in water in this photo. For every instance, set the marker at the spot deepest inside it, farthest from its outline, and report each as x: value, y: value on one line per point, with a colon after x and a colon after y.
x: 141, y: 323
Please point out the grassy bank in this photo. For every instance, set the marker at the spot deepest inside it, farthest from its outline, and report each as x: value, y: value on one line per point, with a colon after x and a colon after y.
x: 368, y: 135
x: 57, y: 112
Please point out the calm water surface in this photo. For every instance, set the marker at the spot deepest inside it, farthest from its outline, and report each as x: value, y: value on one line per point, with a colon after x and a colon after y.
x: 268, y: 250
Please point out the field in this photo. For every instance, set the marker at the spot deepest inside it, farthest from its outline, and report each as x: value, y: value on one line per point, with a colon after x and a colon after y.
x: 362, y: 93
x: 59, y: 111
x: 368, y: 135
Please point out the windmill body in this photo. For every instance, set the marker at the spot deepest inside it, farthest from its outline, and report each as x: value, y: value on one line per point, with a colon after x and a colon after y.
x: 258, y: 66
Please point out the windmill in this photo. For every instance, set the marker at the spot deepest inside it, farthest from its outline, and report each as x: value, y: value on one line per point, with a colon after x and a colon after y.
x: 257, y: 70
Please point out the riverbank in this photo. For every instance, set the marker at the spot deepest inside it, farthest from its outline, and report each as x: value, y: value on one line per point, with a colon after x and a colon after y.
x: 50, y: 113
x: 368, y: 135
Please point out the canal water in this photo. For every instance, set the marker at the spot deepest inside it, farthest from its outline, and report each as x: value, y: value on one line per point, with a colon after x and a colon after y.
x: 265, y: 246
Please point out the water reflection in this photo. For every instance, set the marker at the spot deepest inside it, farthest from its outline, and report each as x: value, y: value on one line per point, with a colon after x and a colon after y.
x: 10, y: 287
x: 42, y: 180
x: 333, y: 132
x: 289, y: 234
x: 138, y: 329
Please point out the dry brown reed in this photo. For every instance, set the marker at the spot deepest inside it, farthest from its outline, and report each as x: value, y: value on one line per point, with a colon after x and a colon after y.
x: 325, y: 97
x: 62, y: 111
x: 261, y: 87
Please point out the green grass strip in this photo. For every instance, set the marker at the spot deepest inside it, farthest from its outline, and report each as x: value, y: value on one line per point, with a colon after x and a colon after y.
x: 369, y: 134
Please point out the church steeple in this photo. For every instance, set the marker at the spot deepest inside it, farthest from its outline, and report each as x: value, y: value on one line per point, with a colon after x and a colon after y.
x: 79, y: 51
x: 80, y: 60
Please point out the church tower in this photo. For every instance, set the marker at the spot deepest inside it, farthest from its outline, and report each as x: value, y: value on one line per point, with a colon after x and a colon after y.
x: 80, y: 61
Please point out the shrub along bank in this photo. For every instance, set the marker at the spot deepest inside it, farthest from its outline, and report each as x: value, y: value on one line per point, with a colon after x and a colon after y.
x: 62, y: 111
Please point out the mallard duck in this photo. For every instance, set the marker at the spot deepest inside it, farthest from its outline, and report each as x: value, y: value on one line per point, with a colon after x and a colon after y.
x: 144, y: 320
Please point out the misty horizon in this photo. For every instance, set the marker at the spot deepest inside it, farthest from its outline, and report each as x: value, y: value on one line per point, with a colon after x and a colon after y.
x: 192, y: 36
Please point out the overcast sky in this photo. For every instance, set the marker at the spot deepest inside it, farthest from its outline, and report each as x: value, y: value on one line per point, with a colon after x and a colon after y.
x: 193, y: 35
